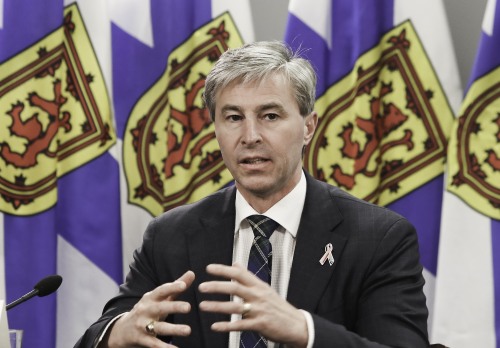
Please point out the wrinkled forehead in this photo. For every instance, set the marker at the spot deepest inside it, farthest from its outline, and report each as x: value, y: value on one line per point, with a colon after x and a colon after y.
x: 255, y: 82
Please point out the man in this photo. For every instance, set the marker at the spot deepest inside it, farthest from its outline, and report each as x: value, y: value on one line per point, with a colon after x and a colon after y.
x: 333, y: 271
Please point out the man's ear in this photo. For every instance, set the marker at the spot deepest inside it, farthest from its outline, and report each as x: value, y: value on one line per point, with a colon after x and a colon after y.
x: 311, y: 121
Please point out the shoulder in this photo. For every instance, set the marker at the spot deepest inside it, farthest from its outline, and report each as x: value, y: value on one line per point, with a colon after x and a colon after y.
x: 347, y: 203
x: 212, y: 206
x: 355, y: 216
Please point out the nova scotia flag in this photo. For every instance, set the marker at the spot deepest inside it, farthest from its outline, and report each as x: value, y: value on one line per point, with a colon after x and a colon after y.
x: 388, y: 85
x: 467, y: 308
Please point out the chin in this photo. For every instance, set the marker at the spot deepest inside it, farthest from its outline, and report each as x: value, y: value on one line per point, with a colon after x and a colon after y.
x: 262, y: 190
x: 255, y: 186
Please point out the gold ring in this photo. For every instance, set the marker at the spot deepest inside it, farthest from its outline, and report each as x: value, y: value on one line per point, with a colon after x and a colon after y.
x: 150, y: 328
x: 247, y: 307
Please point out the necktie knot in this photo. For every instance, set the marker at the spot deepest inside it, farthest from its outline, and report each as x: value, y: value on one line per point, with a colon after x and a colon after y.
x: 262, y: 225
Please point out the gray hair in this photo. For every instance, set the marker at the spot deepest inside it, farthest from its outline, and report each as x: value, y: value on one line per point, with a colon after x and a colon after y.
x: 253, y: 63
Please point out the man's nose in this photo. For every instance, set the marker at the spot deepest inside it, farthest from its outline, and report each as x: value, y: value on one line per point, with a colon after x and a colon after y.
x: 251, y: 132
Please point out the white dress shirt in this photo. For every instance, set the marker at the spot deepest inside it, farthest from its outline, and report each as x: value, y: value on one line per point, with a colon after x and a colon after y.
x: 287, y: 213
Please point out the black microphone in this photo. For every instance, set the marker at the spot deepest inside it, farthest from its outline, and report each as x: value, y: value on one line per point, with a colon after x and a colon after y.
x: 44, y: 287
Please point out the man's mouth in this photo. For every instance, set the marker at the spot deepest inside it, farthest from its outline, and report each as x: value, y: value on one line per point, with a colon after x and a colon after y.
x: 254, y: 160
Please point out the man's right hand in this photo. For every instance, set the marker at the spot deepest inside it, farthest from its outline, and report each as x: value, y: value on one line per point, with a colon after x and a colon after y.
x: 130, y: 330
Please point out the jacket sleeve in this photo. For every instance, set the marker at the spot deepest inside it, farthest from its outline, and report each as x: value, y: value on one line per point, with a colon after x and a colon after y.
x: 140, y: 279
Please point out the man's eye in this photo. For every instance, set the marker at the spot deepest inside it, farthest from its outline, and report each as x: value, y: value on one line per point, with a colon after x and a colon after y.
x: 234, y: 118
x: 271, y: 117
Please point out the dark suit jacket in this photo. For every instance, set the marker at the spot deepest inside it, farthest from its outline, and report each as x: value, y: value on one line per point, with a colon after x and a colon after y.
x: 372, y: 295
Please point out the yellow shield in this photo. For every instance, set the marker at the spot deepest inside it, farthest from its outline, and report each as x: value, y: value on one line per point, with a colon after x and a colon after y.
x: 474, y: 149
x: 171, y: 156
x: 383, y: 129
x: 54, y: 116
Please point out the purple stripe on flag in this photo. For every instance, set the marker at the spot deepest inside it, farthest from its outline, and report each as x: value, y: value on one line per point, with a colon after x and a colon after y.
x: 488, y: 56
x: 30, y: 255
x: 26, y: 22
x: 136, y: 67
x: 88, y: 213
x: 422, y: 207
x: 357, y: 26
x: 300, y: 37
x: 30, y: 242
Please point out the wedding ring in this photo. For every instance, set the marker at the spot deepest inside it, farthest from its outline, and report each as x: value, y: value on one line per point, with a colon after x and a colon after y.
x: 247, y: 307
x: 150, y: 328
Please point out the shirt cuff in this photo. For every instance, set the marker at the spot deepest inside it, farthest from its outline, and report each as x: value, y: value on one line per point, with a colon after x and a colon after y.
x: 310, y: 328
x: 111, y: 322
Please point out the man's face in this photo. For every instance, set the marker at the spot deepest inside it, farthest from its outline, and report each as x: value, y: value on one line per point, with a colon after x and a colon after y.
x: 261, y: 134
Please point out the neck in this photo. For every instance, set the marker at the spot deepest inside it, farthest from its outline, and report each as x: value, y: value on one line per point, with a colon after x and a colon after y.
x: 262, y: 202
x: 261, y: 205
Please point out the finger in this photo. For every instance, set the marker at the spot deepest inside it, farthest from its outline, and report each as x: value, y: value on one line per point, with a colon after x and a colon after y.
x: 187, y: 278
x: 234, y: 272
x: 164, y: 308
x: 163, y: 328
x: 229, y: 307
x: 170, y: 290
x: 165, y: 291
x: 238, y: 325
x: 158, y: 310
x: 222, y: 287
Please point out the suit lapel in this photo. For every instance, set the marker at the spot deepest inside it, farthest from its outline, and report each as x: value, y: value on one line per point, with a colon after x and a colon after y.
x: 213, y: 244
x: 320, y: 217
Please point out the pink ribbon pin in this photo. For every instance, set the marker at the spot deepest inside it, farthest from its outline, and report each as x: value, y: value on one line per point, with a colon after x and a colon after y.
x: 328, y: 255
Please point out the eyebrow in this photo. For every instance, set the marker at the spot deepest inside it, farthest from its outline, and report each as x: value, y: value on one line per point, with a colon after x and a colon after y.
x: 230, y: 107
x: 259, y: 109
x: 270, y: 106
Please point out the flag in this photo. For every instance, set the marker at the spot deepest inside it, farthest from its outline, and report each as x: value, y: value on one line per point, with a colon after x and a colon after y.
x: 169, y: 155
x: 467, y: 310
x: 58, y: 181
x: 387, y: 86
x: 97, y: 102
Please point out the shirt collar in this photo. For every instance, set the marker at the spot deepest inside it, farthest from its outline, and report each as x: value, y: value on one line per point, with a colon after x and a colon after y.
x: 287, y: 212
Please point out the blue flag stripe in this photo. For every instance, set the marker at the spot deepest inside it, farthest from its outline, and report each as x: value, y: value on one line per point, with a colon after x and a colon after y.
x: 30, y: 242
x: 88, y: 211
x: 488, y: 55
x: 30, y: 249
x: 423, y: 208
x: 356, y: 27
x: 25, y: 22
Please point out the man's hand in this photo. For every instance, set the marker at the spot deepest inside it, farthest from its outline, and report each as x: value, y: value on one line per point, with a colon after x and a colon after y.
x: 130, y: 329
x: 264, y: 310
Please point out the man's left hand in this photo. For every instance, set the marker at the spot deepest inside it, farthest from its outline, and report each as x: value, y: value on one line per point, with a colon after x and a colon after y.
x: 263, y: 309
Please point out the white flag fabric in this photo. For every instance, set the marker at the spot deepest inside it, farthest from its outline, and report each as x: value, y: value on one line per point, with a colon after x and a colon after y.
x: 467, y: 308
x: 101, y: 127
x: 388, y: 87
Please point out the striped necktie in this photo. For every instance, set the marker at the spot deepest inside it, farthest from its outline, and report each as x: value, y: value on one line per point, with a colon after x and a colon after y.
x: 259, y: 263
